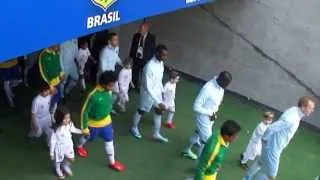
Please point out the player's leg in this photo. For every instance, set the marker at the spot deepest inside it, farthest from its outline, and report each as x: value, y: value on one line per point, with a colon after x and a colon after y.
x: 81, y: 151
x: 135, y: 123
x: 69, y: 86
x: 187, y: 152
x: 157, y: 117
x: 194, y: 140
x: 253, y: 170
x: 204, y: 125
x: 106, y: 134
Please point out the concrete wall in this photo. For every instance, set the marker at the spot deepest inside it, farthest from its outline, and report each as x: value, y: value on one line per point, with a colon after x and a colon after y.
x: 270, y: 46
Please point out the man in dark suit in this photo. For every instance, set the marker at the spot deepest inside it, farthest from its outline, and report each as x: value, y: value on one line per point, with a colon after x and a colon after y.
x: 142, y: 50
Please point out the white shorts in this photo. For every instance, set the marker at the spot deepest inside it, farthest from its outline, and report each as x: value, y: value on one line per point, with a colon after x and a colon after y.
x: 203, y: 126
x: 171, y: 108
x: 44, y: 126
x: 146, y: 101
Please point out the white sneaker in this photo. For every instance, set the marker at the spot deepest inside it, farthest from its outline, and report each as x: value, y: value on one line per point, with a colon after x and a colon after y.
x: 59, y: 174
x: 135, y: 132
x: 189, y: 154
x: 160, y: 138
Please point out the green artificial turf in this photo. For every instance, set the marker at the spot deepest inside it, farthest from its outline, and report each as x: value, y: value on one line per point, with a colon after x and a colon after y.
x: 146, y: 159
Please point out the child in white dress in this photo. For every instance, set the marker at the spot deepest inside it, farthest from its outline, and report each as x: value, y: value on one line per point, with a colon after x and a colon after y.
x: 124, y: 83
x: 254, y: 147
x: 82, y: 57
x: 61, y: 144
x: 169, y: 95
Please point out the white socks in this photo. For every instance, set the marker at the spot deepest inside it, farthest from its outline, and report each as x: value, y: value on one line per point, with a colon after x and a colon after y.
x: 136, y: 120
x: 156, y: 124
x: 253, y: 169
x: 83, y: 140
x: 194, y: 139
x: 109, y: 149
x: 170, y: 117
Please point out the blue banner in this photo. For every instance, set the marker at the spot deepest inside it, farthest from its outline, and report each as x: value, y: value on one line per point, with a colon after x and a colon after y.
x: 30, y: 25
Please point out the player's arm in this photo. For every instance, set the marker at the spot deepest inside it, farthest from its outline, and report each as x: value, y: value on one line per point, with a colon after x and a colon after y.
x: 74, y: 130
x: 34, y: 110
x: 85, y: 113
x: 200, y: 101
x: 149, y: 85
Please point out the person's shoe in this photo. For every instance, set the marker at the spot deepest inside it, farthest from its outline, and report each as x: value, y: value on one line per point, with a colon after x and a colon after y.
x: 60, y: 174
x: 117, y: 166
x: 190, y: 155
x: 114, y: 112
x: 135, y: 133
x: 160, y: 138
x: 244, y: 166
x: 170, y: 126
x: 82, y: 152
x: 67, y: 170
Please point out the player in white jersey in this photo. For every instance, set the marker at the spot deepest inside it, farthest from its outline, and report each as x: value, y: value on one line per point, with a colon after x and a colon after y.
x: 276, y: 139
x: 206, y: 107
x: 169, y: 96
x: 82, y: 57
x: 254, y: 147
x: 40, y: 113
x: 124, y: 83
x: 61, y: 144
x: 151, y: 94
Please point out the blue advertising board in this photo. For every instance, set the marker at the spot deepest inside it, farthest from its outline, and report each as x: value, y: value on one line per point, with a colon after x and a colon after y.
x: 30, y: 25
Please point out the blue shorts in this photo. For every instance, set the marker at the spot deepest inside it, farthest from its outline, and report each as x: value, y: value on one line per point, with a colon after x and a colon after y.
x: 106, y: 133
x: 8, y: 74
x: 56, y: 97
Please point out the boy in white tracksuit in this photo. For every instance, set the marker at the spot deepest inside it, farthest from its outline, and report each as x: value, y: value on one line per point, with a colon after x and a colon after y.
x: 206, y: 107
x: 41, y: 121
x: 277, y: 138
x: 151, y: 94
x: 254, y: 147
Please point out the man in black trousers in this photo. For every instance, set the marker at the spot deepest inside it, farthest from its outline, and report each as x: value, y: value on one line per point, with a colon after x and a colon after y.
x: 142, y: 50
